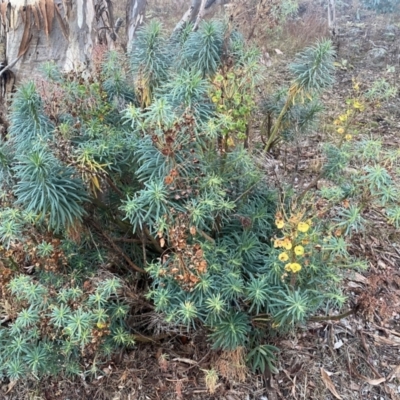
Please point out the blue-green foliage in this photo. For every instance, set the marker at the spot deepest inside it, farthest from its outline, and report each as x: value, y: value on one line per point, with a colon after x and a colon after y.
x: 313, y: 68
x: 30, y: 127
x: 48, y: 189
x: 169, y: 174
x: 50, y: 332
x: 313, y: 72
x: 369, y: 182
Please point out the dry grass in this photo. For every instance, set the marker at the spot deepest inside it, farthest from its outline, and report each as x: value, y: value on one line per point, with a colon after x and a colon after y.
x: 232, y: 365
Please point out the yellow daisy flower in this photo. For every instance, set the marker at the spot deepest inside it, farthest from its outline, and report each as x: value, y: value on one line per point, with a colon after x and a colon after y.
x: 340, y: 131
x: 348, y: 137
x: 303, y: 227
x: 280, y: 223
x: 287, y: 244
x: 288, y: 267
x: 283, y: 257
x: 295, y: 267
x: 299, y: 250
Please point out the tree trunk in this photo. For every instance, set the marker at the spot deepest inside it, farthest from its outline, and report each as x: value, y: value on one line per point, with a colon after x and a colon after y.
x: 63, y: 31
x: 196, y: 12
x: 135, y: 13
x: 332, y: 17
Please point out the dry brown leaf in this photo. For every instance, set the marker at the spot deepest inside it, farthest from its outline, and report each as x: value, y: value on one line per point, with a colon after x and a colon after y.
x: 354, y: 285
x: 394, y: 374
x: 11, y: 386
x: 381, y: 264
x: 354, y: 386
x: 185, y: 360
x: 381, y: 340
x: 359, y: 278
x: 374, y: 382
x: 329, y: 384
x: 388, y: 330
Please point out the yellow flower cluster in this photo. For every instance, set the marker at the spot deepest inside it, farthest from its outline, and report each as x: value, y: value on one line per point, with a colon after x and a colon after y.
x: 358, y: 105
x: 293, y: 267
x: 292, y: 248
x: 285, y: 243
x: 354, y: 105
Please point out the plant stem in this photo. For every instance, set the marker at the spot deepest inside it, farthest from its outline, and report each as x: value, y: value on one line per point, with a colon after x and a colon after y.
x: 117, y: 248
x: 334, y: 317
x: 293, y: 91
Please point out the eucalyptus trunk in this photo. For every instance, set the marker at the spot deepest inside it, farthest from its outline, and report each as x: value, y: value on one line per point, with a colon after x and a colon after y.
x: 36, y: 31
x: 197, y: 10
x: 64, y: 31
x: 135, y: 14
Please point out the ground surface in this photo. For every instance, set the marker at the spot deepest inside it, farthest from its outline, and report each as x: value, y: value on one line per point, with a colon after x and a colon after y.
x: 357, y: 357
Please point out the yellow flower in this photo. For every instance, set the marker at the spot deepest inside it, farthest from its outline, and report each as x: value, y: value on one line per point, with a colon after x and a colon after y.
x: 303, y: 227
x: 280, y: 223
x: 340, y: 131
x: 343, y: 118
x: 348, y: 137
x: 283, y: 257
x: 336, y: 122
x: 288, y: 267
x: 100, y: 325
x: 299, y: 250
x: 358, y: 105
x: 277, y: 243
x: 287, y: 244
x: 295, y: 267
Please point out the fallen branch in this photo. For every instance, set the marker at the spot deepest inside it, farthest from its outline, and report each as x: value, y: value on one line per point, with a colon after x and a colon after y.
x: 7, y: 67
x: 333, y: 317
x: 118, y: 249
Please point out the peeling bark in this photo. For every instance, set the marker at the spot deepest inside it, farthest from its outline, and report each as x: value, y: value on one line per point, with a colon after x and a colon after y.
x: 135, y: 13
x: 82, y: 22
x: 63, y: 31
x: 197, y: 11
